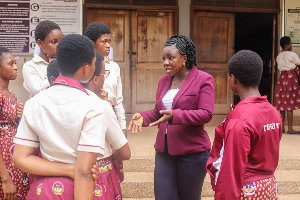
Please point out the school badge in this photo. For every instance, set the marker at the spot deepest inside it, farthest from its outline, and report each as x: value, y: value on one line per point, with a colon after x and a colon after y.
x: 98, y: 191
x: 57, y: 188
x: 249, y: 189
x: 39, y: 189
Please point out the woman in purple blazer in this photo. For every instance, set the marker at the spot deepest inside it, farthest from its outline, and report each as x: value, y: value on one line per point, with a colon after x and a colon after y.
x: 184, y: 103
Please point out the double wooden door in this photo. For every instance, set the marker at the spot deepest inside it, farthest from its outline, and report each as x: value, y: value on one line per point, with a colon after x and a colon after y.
x: 213, y: 34
x: 138, y: 37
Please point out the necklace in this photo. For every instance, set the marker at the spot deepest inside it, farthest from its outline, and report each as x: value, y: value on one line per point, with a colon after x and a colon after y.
x: 178, y: 85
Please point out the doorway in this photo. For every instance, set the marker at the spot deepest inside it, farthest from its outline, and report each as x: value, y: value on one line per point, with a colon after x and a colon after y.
x: 254, y: 31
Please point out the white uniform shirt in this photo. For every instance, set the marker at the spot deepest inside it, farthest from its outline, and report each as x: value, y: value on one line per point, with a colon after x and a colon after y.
x: 35, y: 75
x: 113, y: 135
x: 113, y: 85
x: 62, y: 120
x: 287, y: 60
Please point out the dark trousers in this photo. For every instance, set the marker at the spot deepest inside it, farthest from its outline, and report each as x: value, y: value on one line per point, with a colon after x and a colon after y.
x: 179, y: 177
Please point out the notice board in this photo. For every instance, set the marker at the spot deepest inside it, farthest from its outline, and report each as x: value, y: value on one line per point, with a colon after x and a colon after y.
x: 292, y: 20
x: 19, y: 18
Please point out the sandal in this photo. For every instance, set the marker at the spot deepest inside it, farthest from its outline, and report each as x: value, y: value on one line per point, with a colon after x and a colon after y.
x: 292, y: 132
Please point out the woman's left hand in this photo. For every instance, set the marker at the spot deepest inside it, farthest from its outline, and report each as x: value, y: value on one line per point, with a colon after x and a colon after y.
x: 168, y: 114
x: 20, y: 108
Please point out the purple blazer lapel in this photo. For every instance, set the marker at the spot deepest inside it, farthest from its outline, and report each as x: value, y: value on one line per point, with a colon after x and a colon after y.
x: 186, y: 84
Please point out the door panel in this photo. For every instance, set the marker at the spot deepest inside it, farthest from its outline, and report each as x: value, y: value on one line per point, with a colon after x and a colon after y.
x: 150, y: 30
x: 118, y: 22
x: 213, y: 34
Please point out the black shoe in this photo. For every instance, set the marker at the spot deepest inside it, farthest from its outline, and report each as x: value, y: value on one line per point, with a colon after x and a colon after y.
x: 290, y: 132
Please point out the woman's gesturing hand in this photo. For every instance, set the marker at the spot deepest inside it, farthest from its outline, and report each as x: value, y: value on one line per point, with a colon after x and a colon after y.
x: 136, y: 123
x: 167, y: 115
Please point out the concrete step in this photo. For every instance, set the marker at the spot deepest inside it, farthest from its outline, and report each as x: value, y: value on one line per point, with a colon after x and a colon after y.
x: 146, y: 164
x: 141, y: 184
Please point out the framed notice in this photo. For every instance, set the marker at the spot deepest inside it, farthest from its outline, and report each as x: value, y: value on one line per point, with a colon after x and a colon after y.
x: 19, y: 18
x: 292, y: 20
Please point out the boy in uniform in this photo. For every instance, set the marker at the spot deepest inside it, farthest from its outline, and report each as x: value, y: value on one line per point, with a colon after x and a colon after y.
x: 245, y: 151
x: 68, y: 126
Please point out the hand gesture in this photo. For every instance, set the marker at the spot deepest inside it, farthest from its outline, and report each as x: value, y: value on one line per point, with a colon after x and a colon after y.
x: 20, y: 108
x: 136, y: 123
x: 103, y: 95
x: 167, y: 115
x: 9, y: 190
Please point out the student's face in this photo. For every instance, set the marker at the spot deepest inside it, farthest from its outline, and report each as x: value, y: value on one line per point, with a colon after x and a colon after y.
x: 102, y: 44
x: 8, y: 67
x: 48, y: 46
x: 231, y: 83
x: 289, y: 46
x: 89, y: 71
x: 173, y: 60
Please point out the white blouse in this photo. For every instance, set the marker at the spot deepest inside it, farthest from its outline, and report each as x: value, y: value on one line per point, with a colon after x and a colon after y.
x: 35, y: 75
x: 113, y: 85
x: 287, y: 60
x: 168, y: 98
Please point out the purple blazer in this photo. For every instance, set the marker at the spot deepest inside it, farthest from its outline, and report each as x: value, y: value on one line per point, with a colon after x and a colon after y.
x: 193, y: 106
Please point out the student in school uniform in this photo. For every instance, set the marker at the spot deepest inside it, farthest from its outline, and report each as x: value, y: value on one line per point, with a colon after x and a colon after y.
x: 47, y: 36
x: 287, y: 97
x: 13, y: 182
x: 245, y: 151
x: 110, y: 171
x: 100, y: 35
x: 68, y: 126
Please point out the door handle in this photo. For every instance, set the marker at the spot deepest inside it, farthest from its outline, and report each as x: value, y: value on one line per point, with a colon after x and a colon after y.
x: 132, y: 63
x: 132, y: 59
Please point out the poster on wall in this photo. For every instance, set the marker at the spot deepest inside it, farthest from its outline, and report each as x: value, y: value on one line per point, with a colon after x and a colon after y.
x: 292, y: 20
x: 19, y: 18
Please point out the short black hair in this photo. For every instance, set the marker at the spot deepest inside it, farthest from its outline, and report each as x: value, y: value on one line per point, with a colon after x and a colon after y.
x: 285, y: 40
x: 247, y: 67
x: 44, y: 28
x: 95, y: 30
x: 52, y: 70
x: 3, y: 50
x: 186, y: 47
x: 73, y: 51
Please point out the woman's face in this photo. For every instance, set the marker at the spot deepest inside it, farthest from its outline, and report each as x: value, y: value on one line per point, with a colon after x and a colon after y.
x: 48, y: 46
x: 173, y: 61
x: 102, y: 44
x: 8, y: 67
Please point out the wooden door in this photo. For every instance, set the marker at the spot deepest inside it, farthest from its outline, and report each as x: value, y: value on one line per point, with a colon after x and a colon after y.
x: 137, y: 39
x: 213, y: 34
x: 150, y: 30
x: 118, y: 22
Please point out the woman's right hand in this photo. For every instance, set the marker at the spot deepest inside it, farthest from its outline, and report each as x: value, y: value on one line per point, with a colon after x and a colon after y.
x: 136, y: 123
x: 9, y: 189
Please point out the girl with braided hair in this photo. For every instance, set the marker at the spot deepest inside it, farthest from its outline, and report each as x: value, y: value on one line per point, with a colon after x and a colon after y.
x: 13, y: 182
x: 184, y: 103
